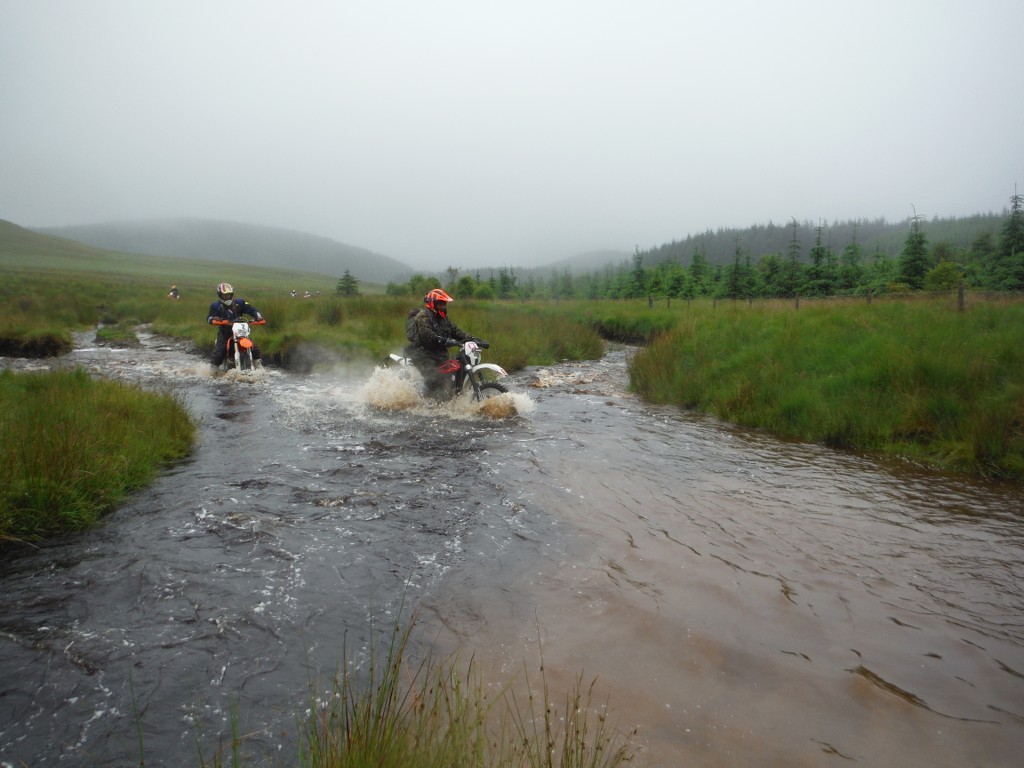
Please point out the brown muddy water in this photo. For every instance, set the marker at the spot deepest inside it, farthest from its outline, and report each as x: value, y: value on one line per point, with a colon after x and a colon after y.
x: 740, y: 601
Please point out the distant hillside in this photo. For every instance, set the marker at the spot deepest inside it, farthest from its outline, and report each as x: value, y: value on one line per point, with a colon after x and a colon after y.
x: 719, y: 246
x: 589, y: 261
x: 232, y: 242
x: 28, y: 252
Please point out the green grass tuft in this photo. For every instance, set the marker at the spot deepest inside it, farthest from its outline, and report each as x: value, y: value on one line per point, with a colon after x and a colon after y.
x: 72, y: 447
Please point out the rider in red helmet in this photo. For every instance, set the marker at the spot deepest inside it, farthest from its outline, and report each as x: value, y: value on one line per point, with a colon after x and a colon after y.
x: 430, y: 334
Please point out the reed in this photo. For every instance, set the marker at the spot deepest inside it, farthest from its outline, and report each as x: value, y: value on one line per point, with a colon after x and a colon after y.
x: 439, y: 712
x: 72, y: 447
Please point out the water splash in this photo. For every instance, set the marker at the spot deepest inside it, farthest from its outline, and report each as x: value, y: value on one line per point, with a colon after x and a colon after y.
x: 393, y: 389
x: 254, y: 376
x: 399, y: 389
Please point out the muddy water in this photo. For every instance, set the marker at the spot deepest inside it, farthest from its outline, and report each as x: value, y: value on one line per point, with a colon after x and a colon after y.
x: 749, y: 602
x: 741, y: 601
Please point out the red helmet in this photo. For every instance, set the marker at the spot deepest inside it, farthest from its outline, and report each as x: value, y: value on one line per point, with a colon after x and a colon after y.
x: 435, y: 297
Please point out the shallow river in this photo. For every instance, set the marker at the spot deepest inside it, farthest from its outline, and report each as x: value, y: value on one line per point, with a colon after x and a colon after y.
x: 740, y: 601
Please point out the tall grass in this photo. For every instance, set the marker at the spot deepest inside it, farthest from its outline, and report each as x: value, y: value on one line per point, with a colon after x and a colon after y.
x: 368, y: 328
x: 72, y: 447
x: 440, y: 713
x: 918, y: 380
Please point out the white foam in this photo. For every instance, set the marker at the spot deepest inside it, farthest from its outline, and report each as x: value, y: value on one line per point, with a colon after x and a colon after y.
x: 399, y: 389
x: 393, y: 389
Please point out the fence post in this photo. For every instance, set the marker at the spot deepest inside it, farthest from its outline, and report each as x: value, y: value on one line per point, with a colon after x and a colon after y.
x: 960, y: 297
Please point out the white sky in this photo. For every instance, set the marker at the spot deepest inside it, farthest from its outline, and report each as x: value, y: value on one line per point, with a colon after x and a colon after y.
x: 473, y: 132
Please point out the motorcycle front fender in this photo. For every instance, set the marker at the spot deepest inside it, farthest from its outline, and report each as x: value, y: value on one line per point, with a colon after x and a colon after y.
x: 490, y: 367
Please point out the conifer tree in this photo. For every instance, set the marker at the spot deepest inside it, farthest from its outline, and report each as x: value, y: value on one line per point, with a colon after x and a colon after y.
x: 792, y: 276
x: 1009, y: 269
x: 851, y: 271
x: 348, y: 285
x: 914, y: 259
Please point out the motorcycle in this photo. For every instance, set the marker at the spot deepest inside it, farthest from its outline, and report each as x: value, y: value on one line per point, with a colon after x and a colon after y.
x: 239, y: 345
x: 464, y: 367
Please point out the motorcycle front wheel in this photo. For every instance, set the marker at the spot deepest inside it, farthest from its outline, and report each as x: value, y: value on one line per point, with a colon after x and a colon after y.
x: 245, y: 360
x: 490, y: 389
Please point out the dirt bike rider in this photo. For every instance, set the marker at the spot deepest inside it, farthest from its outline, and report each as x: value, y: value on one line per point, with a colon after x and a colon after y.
x: 228, y: 308
x: 430, y: 334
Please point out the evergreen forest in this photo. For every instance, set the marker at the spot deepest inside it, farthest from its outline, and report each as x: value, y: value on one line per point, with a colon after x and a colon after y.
x: 981, y: 252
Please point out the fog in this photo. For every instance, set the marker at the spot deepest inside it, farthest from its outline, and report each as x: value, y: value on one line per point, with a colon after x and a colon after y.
x: 481, y: 133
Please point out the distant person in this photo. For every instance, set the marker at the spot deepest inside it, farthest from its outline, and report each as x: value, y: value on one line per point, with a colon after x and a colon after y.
x: 175, y: 293
x: 430, y: 334
x: 228, y: 308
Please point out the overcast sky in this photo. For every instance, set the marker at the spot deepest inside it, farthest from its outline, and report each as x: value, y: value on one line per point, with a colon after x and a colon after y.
x: 472, y: 132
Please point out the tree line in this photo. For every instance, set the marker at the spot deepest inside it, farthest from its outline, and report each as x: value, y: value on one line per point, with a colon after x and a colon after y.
x: 992, y: 259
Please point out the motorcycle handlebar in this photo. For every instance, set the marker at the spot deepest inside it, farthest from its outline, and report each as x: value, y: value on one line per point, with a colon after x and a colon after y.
x: 456, y: 343
x: 261, y: 321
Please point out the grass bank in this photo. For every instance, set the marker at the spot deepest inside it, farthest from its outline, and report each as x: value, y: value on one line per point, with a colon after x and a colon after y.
x: 71, y: 448
x: 918, y: 380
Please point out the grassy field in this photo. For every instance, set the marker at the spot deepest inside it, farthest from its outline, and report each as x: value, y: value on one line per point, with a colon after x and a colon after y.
x: 52, y: 286
x: 915, y: 379
x: 299, y: 331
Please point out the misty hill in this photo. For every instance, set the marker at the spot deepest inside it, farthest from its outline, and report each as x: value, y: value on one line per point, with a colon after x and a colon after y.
x: 589, y: 261
x: 719, y: 247
x: 236, y: 243
x: 26, y: 251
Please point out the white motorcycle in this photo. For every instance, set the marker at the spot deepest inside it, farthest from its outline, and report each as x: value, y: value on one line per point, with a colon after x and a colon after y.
x: 239, y: 345
x: 465, y: 367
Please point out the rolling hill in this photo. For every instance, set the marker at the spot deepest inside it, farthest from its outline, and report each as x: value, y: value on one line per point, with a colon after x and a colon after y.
x: 29, y: 254
x: 236, y: 243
